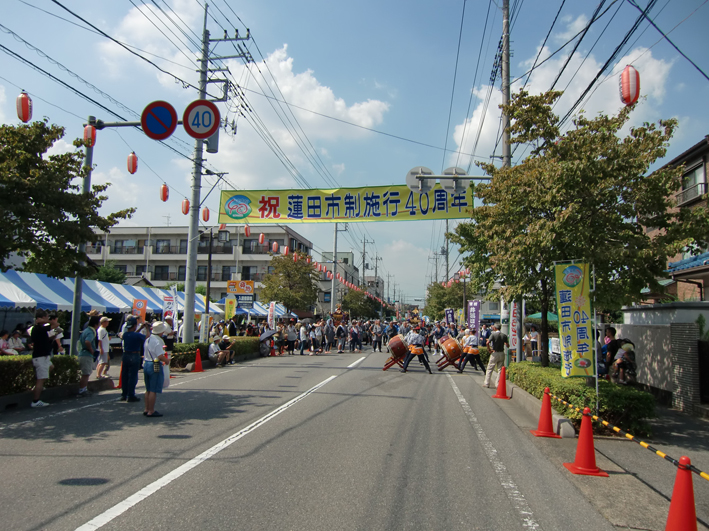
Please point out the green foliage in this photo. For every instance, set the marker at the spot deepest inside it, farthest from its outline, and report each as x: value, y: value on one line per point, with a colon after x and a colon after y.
x: 439, y: 298
x: 586, y: 195
x: 703, y: 332
x: 46, y: 215
x: 359, y: 305
x: 184, y: 353
x: 294, y: 284
x: 622, y: 406
x: 109, y: 273
x: 17, y: 373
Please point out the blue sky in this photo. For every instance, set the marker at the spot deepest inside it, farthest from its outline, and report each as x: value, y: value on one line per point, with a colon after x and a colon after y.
x: 387, y: 66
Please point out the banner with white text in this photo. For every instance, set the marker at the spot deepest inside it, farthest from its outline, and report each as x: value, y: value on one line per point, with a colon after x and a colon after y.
x: 371, y: 203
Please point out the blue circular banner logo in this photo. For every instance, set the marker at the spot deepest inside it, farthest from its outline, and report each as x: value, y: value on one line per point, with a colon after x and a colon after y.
x: 238, y: 207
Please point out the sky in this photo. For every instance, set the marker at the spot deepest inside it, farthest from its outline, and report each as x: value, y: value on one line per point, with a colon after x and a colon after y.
x: 373, y: 89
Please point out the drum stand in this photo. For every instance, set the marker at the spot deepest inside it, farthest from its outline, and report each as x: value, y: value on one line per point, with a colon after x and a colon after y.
x: 445, y: 361
x: 393, y: 361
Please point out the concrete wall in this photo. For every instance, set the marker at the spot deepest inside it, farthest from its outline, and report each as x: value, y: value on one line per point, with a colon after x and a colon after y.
x: 673, y: 312
x: 652, y: 353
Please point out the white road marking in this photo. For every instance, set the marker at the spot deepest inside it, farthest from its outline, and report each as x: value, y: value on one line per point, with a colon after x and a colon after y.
x: 94, y: 404
x: 118, y: 509
x: 356, y: 362
x: 513, y: 494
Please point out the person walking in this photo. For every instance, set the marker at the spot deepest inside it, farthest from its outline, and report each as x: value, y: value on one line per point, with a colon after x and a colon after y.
x: 329, y: 335
x: 104, y: 348
x: 291, y: 336
x: 89, y: 348
x: 496, y: 343
x: 41, y: 339
x: 377, y: 333
x: 341, y: 334
x: 155, y: 357
x: 415, y: 342
x: 133, y: 342
x: 472, y: 353
x: 303, y: 337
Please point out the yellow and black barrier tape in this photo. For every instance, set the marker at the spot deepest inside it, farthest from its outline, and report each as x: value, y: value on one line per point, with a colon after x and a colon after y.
x: 632, y: 438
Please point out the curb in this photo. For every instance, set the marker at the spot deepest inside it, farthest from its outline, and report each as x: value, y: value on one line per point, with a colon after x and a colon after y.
x: 562, y: 425
x: 52, y: 394
x: 207, y: 364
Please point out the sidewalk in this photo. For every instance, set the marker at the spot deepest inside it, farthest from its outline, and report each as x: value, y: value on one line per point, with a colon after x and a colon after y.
x: 637, y: 494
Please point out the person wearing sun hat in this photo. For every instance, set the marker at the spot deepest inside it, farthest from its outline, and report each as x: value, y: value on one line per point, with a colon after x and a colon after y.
x: 154, y: 358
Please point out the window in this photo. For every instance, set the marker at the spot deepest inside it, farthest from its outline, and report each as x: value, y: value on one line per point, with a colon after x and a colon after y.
x: 181, y: 273
x: 693, y: 185
x: 247, y: 272
x: 183, y: 246
x: 494, y: 306
x: 202, y: 273
x: 118, y: 246
x: 139, y: 270
x: 162, y: 246
x: 345, y: 260
x: 161, y: 273
x: 226, y: 272
x: 271, y: 270
x: 693, y: 177
x: 122, y: 268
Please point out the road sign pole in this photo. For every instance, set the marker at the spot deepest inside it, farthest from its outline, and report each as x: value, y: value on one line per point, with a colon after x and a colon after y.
x: 192, y: 243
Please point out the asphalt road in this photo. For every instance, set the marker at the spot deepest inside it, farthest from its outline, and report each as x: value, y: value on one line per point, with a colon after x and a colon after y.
x: 299, y: 442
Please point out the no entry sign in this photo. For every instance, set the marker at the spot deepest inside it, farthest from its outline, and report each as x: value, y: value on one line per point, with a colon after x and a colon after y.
x: 201, y: 119
x: 159, y: 120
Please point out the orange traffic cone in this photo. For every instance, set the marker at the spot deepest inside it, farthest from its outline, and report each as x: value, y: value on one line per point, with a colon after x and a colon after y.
x: 585, y: 462
x: 683, y: 515
x: 502, y: 386
x: 198, y: 362
x: 120, y: 378
x: 545, y: 428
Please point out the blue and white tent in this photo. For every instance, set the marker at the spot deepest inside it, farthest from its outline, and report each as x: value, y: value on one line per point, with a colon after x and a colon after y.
x: 261, y: 310
x: 34, y: 290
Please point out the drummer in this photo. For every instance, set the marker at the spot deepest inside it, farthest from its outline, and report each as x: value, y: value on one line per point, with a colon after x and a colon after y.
x: 472, y: 353
x: 415, y: 342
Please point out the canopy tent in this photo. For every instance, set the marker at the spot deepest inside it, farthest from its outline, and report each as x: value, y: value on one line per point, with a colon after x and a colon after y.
x: 538, y: 315
x: 34, y: 290
x: 261, y: 310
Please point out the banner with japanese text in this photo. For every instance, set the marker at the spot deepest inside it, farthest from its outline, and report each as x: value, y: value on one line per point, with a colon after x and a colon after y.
x: 474, y: 308
x: 370, y: 203
x: 229, y: 306
x: 514, y: 326
x: 450, y: 316
x: 140, y: 309
x: 575, y: 327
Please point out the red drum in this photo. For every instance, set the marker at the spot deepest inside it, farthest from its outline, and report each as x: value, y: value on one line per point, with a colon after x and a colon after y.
x: 398, y: 347
x: 451, y: 348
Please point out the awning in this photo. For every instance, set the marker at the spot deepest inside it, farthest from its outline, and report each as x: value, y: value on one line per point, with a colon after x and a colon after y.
x: 34, y: 290
x: 261, y: 310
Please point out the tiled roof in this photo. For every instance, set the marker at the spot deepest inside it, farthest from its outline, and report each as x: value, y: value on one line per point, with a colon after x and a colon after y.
x: 688, y: 263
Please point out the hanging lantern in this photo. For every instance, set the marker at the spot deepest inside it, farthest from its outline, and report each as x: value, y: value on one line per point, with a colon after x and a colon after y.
x: 629, y: 85
x: 185, y: 206
x: 295, y: 257
x: 274, y: 247
x: 164, y: 193
x: 286, y: 250
x: 222, y: 226
x: 24, y: 107
x: 90, y: 135
x: 467, y: 271
x: 443, y: 284
x: 247, y: 231
x: 308, y: 260
x: 205, y: 214
x: 262, y: 238
x: 132, y: 163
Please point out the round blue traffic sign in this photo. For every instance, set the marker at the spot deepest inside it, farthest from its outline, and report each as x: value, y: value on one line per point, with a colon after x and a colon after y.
x: 201, y: 119
x: 159, y: 120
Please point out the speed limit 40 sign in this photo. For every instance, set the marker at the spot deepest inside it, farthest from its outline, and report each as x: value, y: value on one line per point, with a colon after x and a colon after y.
x: 201, y: 119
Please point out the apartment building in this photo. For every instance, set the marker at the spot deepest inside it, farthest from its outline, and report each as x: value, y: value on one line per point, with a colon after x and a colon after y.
x: 346, y: 268
x: 159, y: 254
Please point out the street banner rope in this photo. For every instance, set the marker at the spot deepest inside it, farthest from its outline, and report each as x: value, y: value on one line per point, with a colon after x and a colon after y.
x: 627, y: 435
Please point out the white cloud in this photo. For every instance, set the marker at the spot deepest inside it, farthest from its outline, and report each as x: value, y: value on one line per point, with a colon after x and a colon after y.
x: 573, y: 26
x: 339, y: 169
x: 60, y: 147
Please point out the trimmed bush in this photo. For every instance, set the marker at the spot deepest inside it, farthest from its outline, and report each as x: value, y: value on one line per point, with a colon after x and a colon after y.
x: 622, y: 406
x: 17, y: 373
x: 184, y: 353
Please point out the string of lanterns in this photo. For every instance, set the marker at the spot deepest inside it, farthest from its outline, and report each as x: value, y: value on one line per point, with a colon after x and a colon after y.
x: 462, y: 274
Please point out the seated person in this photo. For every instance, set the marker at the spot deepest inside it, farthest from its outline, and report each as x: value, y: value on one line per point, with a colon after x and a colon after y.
x: 217, y: 354
x: 624, y: 363
x: 15, y: 342
x: 5, y: 349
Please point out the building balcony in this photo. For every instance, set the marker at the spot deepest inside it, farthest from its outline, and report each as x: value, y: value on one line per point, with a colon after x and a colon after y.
x: 256, y: 249
x: 217, y: 248
x: 128, y: 250
x: 691, y: 194
x: 256, y: 277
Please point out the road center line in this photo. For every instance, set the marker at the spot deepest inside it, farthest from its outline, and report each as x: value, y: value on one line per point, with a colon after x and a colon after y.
x: 356, y: 362
x: 513, y: 494
x: 118, y: 509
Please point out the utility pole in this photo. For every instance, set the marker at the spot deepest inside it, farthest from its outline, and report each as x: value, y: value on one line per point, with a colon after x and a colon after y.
x: 447, y: 253
x: 192, y: 243
x: 364, y: 260
x: 388, y: 286
x: 333, y: 295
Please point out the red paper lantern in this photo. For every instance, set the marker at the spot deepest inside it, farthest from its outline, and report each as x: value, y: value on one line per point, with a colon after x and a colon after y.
x: 274, y: 247
x: 295, y: 257
x: 205, y: 214
x: 308, y: 260
x: 90, y: 135
x: 443, y: 284
x: 132, y: 163
x: 24, y: 107
x: 286, y: 250
x: 629, y: 85
x: 467, y: 271
x: 164, y: 192
x: 262, y: 238
x: 222, y: 226
x: 185, y: 206
x: 247, y: 231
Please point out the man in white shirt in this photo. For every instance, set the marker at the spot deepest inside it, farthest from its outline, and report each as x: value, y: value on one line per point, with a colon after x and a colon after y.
x: 104, y: 348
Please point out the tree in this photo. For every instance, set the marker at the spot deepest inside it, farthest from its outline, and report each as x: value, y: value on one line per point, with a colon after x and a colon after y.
x: 439, y: 298
x: 45, y: 214
x: 585, y: 195
x: 109, y: 273
x: 359, y: 305
x: 294, y: 284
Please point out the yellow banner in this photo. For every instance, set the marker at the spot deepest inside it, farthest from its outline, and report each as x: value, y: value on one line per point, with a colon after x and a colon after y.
x: 575, y: 329
x: 229, y: 307
x: 371, y: 203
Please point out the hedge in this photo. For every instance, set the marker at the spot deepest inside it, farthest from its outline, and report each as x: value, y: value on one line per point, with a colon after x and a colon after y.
x: 184, y: 353
x: 622, y: 406
x: 17, y: 373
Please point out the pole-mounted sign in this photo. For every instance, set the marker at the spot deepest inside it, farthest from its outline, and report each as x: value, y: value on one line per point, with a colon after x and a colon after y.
x: 201, y: 119
x: 159, y: 120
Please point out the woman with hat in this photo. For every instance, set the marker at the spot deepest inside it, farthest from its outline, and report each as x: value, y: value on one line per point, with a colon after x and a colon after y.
x: 155, y: 357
